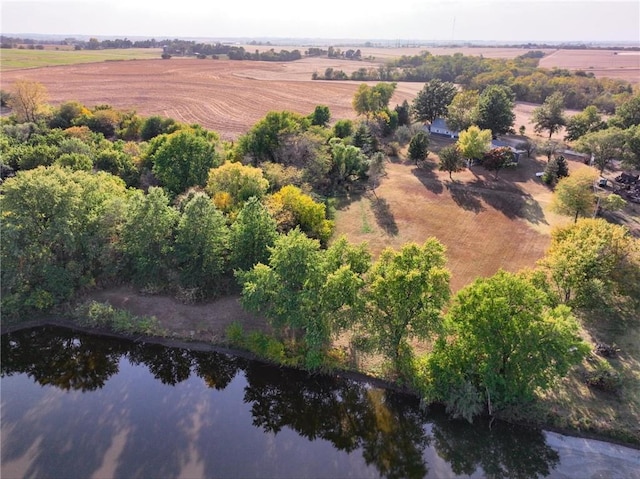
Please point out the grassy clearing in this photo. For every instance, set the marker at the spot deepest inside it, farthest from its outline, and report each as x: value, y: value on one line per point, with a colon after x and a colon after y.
x: 15, y: 59
x: 485, y: 224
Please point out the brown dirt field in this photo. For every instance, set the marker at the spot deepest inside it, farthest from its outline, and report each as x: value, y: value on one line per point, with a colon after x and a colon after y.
x: 602, y: 63
x: 225, y: 96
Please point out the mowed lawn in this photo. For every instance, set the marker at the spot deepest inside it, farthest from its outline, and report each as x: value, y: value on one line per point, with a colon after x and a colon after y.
x: 17, y: 59
x: 485, y: 224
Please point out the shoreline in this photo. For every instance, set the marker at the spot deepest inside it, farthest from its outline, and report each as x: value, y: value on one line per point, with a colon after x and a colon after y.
x: 194, y: 344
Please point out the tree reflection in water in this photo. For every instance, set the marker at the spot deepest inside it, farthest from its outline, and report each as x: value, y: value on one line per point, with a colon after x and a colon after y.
x: 390, y: 429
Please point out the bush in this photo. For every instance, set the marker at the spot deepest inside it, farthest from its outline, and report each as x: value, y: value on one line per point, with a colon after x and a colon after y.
x: 96, y: 314
x: 604, y: 377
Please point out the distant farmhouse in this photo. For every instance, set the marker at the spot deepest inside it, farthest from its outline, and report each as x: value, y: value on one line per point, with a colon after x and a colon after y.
x: 440, y: 127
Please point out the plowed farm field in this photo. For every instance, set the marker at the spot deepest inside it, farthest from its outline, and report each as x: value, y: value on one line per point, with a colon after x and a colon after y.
x: 222, y: 95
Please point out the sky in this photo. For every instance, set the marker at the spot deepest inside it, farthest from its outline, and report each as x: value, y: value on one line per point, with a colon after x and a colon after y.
x: 429, y: 20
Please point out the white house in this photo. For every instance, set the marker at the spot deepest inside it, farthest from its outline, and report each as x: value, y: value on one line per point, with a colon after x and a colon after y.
x: 439, y: 127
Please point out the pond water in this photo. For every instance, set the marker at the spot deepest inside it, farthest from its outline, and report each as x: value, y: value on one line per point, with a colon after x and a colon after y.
x: 77, y: 405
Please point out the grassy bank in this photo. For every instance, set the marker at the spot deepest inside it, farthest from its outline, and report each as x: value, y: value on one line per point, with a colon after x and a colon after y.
x: 572, y: 407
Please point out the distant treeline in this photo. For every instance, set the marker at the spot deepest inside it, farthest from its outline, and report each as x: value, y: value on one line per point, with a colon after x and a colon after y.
x: 173, y: 47
x: 522, y: 74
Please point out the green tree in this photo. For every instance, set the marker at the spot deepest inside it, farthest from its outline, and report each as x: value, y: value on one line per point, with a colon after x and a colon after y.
x: 404, y: 113
x: 368, y: 100
x: 201, y: 246
x: 504, y: 342
x: 406, y: 291
x: 348, y: 161
x: 631, y: 158
x: 591, y: 259
x: 118, y: 163
x: 64, y: 116
x: 266, y: 137
x: 462, y: 110
x: 419, y: 146
x: 495, y: 109
x: 587, y: 121
x: 240, y: 182
x: 75, y: 161
x: 550, y: 115
x: 304, y: 289
x: 57, y: 230
x: 574, y: 195
x: 320, y: 116
x: 252, y: 234
x: 497, y: 159
x: 343, y: 128
x: 473, y: 143
x: 184, y: 159
x: 627, y: 114
x: 432, y: 101
x: 604, y: 146
x: 451, y: 160
x: 155, y: 126
x: 294, y: 208
x: 555, y: 169
x: 148, y: 238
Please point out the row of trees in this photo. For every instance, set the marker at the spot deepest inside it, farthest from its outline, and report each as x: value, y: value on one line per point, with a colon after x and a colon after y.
x: 521, y: 75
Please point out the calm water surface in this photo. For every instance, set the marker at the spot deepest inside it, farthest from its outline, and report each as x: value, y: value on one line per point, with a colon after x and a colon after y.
x: 76, y: 405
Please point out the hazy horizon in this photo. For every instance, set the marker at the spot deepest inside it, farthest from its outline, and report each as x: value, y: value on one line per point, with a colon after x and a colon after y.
x: 515, y: 21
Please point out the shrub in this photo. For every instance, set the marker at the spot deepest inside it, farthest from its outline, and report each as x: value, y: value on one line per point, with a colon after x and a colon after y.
x: 604, y: 377
x: 96, y: 314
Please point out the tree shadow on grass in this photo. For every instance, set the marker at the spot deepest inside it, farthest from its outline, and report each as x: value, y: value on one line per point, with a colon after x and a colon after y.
x: 384, y: 216
x: 464, y: 198
x: 507, y: 198
x: 425, y: 173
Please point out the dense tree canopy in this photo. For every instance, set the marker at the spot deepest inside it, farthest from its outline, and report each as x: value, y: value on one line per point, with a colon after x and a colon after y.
x: 264, y: 139
x: 238, y: 181
x: 252, y: 233
x: 461, y: 112
x: 504, y: 341
x: 587, y: 121
x: 369, y: 100
x: 303, y: 288
x: 201, y: 246
x: 432, y: 101
x: 148, y: 238
x: 406, y: 291
x: 184, y: 159
x: 495, y: 110
x: 591, y: 260
x: 57, y: 229
x: 473, y: 142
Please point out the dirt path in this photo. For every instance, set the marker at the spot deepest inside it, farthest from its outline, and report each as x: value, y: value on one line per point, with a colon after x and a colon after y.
x: 205, y: 322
